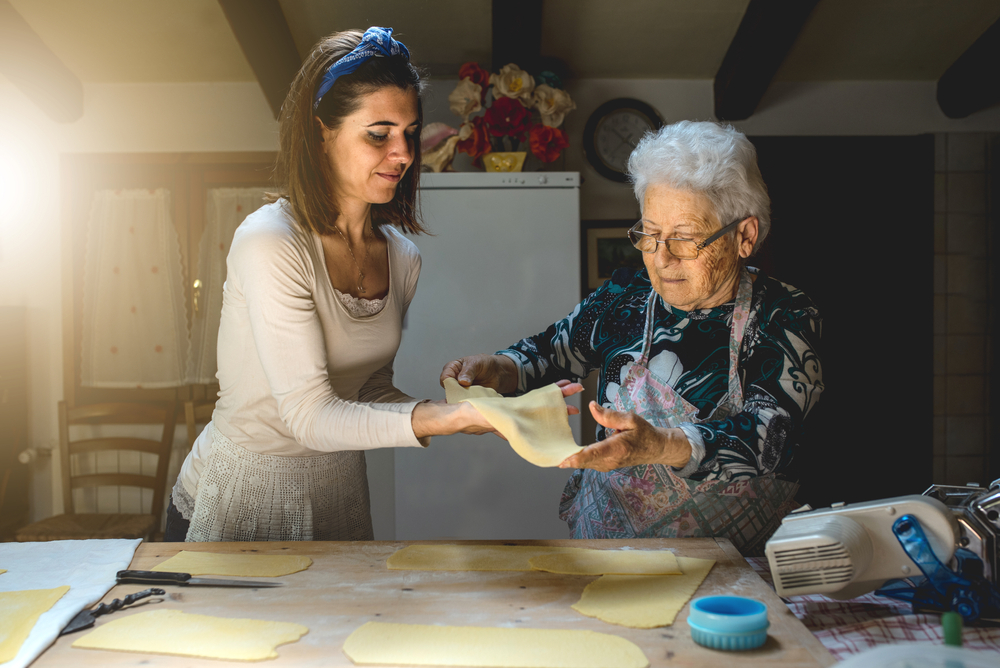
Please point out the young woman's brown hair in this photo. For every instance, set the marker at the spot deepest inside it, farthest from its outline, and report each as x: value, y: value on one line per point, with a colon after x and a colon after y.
x: 302, y: 171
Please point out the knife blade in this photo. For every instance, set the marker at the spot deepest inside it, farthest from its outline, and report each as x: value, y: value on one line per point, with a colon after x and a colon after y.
x: 185, y: 579
x: 85, y: 618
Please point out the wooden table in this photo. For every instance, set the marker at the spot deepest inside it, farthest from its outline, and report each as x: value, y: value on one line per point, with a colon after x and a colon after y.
x: 349, y: 584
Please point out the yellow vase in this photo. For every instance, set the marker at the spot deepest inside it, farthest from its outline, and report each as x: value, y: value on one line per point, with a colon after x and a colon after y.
x: 504, y: 161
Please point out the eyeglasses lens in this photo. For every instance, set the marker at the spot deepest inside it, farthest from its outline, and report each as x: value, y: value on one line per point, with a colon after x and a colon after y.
x: 643, y: 242
x: 680, y: 248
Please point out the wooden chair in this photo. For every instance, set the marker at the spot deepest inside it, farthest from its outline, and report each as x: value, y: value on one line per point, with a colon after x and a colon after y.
x: 196, y: 413
x: 72, y: 525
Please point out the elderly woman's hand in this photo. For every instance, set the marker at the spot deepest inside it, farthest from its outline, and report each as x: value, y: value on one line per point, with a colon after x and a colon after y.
x: 497, y: 372
x: 636, y: 442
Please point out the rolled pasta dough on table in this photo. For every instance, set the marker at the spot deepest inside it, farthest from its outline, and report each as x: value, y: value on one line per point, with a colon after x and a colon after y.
x: 377, y: 643
x: 643, y: 601
x: 182, y: 634
x: 246, y: 565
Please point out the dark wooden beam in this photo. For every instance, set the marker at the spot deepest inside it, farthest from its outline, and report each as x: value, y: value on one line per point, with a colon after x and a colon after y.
x: 262, y: 31
x: 31, y: 66
x: 517, y: 34
x: 765, y: 36
x: 972, y: 83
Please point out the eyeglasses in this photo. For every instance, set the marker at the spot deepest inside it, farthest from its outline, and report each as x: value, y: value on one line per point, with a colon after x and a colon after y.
x: 683, y: 249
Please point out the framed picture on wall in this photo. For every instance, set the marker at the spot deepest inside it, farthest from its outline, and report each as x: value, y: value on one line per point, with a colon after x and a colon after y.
x: 605, y: 247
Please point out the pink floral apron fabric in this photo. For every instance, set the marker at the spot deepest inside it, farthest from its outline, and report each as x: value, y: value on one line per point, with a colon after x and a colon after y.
x: 652, y: 500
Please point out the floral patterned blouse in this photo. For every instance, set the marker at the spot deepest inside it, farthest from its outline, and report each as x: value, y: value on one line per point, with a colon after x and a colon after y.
x: 779, y: 367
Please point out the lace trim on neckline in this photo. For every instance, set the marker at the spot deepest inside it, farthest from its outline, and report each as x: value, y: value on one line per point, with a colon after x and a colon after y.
x: 358, y: 306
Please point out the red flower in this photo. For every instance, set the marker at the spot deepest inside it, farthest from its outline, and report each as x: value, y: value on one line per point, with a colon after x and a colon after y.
x: 507, y: 117
x: 477, y: 74
x: 547, y: 143
x: 478, y: 143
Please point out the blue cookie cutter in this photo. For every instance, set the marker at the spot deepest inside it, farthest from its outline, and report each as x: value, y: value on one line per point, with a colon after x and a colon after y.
x: 728, y: 622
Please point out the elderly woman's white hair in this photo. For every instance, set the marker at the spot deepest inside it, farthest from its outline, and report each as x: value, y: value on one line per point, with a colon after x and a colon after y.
x: 715, y: 160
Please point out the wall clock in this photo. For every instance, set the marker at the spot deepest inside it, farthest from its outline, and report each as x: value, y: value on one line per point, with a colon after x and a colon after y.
x: 613, y: 130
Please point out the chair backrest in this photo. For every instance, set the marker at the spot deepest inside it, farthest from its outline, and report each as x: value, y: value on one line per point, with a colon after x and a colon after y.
x: 163, y: 413
x: 196, y: 413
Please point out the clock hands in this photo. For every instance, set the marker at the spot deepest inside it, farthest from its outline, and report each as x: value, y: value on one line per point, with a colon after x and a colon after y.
x: 627, y: 140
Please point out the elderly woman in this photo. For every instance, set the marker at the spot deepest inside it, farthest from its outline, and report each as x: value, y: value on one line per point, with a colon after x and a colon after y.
x: 708, y: 368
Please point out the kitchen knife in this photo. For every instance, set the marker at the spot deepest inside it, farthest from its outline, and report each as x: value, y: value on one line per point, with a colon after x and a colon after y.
x: 184, y: 579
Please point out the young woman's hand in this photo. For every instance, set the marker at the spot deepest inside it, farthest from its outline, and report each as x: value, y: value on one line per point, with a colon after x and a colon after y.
x: 437, y: 418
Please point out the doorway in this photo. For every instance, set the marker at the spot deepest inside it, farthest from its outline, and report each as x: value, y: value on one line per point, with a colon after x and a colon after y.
x: 853, y: 227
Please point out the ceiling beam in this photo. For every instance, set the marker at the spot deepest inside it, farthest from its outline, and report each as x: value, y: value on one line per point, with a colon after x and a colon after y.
x: 517, y: 34
x: 36, y: 70
x: 972, y: 83
x: 765, y: 36
x: 262, y: 31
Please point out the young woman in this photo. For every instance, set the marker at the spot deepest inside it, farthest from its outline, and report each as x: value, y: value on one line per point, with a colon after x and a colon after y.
x: 317, y: 285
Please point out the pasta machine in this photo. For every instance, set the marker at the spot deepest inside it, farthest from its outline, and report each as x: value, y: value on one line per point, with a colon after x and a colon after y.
x: 937, y: 551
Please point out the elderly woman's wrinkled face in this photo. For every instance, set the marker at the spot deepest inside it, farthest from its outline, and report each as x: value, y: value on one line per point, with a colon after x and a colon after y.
x: 711, y: 278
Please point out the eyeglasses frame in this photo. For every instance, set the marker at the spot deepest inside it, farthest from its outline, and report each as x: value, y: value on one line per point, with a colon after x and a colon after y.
x: 698, y: 247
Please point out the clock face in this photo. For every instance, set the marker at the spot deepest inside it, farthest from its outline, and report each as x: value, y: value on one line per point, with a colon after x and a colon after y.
x: 612, y: 133
x: 617, y: 135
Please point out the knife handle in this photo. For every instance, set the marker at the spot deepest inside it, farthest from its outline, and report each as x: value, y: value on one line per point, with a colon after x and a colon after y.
x: 152, y: 577
x: 118, y: 604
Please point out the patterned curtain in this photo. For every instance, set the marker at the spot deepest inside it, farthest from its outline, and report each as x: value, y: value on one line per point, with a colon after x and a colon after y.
x: 225, y: 209
x: 135, y: 331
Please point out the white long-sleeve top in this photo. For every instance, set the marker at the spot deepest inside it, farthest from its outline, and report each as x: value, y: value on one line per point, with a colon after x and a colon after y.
x: 298, y: 374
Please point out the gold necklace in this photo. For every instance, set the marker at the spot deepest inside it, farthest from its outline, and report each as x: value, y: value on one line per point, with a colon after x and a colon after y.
x: 361, y: 273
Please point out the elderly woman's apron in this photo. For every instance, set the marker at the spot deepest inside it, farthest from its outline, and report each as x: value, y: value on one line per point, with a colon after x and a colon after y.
x: 651, y: 500
x: 248, y: 496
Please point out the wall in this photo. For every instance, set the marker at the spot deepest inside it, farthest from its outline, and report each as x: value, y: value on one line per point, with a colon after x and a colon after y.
x: 234, y: 117
x: 964, y: 308
x: 831, y: 108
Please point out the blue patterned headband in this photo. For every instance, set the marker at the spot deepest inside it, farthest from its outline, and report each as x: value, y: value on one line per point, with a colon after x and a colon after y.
x: 376, y: 43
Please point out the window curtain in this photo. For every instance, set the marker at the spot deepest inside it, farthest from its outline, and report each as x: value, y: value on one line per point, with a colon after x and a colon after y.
x: 135, y: 332
x: 225, y: 209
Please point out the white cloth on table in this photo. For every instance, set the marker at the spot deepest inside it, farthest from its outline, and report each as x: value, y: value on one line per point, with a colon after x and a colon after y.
x: 87, y: 566
x: 298, y: 374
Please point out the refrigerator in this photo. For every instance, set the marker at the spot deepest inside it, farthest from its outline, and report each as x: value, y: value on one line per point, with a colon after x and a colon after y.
x: 501, y: 262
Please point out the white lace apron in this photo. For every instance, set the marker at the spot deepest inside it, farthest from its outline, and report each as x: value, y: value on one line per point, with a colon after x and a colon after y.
x: 247, y: 496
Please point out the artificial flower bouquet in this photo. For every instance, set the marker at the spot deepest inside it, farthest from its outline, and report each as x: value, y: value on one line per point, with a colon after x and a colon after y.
x: 515, y: 108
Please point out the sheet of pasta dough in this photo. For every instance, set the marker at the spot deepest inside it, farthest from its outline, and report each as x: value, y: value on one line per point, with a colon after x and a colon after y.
x: 601, y: 562
x: 249, y: 565
x: 535, y: 424
x: 469, y: 557
x: 181, y: 634
x: 643, y: 601
x: 376, y: 643
x: 19, y: 610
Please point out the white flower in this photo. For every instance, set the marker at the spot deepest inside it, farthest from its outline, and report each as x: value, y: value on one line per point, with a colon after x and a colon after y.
x: 465, y: 131
x: 465, y: 99
x: 514, y: 82
x: 553, y: 104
